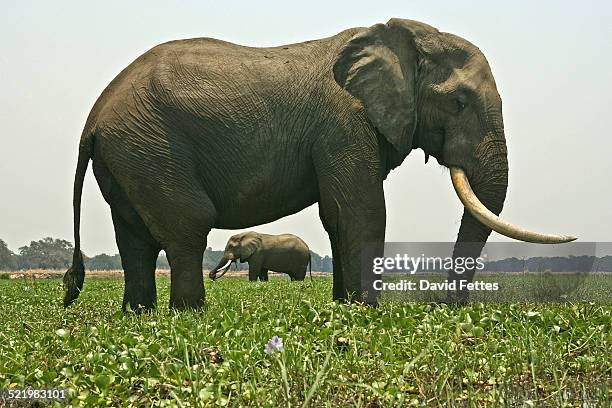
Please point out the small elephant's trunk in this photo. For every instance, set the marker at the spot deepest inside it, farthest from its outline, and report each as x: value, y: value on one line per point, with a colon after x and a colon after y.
x: 213, y: 274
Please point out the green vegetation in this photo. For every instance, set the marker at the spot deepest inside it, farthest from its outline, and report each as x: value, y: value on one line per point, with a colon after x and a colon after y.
x: 512, y: 287
x: 338, y: 355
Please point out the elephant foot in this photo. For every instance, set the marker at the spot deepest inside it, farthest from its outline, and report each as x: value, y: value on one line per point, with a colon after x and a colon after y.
x: 456, y: 299
x: 186, y: 277
x: 138, y: 302
x: 187, y: 304
x: 139, y: 309
x: 186, y: 294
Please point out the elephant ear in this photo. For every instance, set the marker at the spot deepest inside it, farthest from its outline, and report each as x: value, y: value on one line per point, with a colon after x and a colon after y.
x: 249, y: 243
x: 379, y: 67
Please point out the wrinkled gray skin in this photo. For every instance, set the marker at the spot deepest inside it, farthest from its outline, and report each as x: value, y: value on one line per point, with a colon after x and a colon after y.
x: 278, y: 253
x: 200, y: 134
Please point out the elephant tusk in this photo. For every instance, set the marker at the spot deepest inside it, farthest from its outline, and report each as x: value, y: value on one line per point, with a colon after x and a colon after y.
x: 223, y: 270
x: 226, y: 265
x: 222, y: 273
x: 481, y: 213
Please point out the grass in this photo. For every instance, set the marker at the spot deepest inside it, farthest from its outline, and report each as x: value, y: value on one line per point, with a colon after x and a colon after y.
x: 515, y: 287
x: 398, y: 354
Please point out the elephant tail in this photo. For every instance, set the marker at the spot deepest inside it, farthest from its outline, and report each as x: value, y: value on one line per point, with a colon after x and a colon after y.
x: 74, y: 277
x: 310, y: 264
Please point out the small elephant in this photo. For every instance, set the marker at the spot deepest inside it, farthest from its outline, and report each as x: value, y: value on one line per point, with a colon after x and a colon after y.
x: 280, y: 253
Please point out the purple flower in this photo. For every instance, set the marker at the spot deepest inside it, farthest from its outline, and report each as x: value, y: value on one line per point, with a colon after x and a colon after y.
x: 275, y: 344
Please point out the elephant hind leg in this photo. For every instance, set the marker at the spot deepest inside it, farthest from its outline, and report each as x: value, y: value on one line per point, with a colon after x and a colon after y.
x: 187, y: 281
x: 139, y: 252
x: 299, y: 274
x: 186, y: 229
x: 263, y: 275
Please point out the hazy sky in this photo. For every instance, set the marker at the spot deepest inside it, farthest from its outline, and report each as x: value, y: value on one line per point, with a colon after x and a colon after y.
x: 552, y: 61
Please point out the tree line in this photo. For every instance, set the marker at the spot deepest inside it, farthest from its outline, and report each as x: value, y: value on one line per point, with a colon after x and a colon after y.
x: 53, y: 253
x: 571, y: 263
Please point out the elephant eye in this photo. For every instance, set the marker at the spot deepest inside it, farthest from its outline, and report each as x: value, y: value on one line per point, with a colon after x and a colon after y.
x: 460, y: 106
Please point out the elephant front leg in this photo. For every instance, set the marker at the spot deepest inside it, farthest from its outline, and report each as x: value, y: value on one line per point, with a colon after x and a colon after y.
x: 254, y: 271
x: 353, y: 214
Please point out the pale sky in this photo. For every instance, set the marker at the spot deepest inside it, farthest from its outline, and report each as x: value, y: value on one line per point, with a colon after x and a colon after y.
x: 552, y: 61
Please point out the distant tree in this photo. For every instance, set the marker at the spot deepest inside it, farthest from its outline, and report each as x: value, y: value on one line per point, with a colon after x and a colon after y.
x: 162, y: 261
x: 320, y: 263
x: 103, y: 262
x: 327, y: 264
x: 506, y: 265
x: 604, y: 264
x: 48, y: 253
x: 315, y: 260
x: 8, y: 260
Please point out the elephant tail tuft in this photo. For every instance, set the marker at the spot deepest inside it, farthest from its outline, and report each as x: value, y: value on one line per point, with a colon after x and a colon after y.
x: 74, y: 277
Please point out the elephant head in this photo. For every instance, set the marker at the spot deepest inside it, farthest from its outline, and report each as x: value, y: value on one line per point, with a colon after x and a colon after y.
x: 421, y: 88
x: 239, y: 247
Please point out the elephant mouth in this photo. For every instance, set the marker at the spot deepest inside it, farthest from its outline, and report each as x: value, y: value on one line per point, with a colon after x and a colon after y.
x: 486, y: 217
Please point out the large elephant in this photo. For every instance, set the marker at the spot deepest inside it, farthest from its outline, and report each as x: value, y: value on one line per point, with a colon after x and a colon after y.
x: 279, y: 253
x: 201, y: 133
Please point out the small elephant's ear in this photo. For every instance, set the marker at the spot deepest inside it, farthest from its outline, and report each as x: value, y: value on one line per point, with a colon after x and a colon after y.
x: 379, y: 67
x: 249, y: 243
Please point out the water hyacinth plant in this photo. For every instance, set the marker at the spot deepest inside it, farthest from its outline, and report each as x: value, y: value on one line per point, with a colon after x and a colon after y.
x: 344, y: 355
x: 275, y: 344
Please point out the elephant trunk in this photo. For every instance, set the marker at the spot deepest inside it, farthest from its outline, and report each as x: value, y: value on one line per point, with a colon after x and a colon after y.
x: 484, y: 193
x: 488, y: 187
x: 488, y: 183
x: 483, y: 197
x: 222, y: 266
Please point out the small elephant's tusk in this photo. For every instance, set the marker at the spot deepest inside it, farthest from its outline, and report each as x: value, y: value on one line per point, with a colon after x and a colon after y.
x: 223, y: 270
x: 222, y: 273
x: 481, y: 213
x: 225, y: 266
